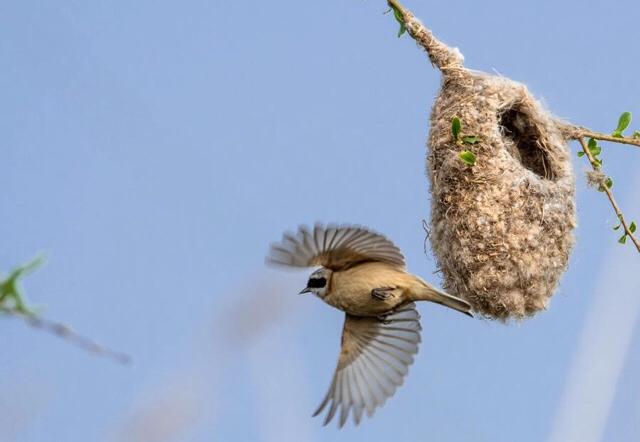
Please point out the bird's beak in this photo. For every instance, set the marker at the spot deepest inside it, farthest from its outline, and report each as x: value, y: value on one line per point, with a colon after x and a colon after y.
x: 304, y: 290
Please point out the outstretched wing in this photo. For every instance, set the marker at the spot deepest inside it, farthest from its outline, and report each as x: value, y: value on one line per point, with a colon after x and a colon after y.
x: 334, y: 247
x: 375, y: 358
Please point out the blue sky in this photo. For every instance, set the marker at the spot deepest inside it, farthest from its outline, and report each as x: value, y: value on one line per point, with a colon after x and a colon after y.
x: 153, y: 150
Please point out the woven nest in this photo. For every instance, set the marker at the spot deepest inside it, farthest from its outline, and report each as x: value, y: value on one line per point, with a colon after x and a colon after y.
x: 502, y: 229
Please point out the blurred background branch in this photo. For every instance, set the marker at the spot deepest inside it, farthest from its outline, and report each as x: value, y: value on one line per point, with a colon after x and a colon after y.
x: 12, y: 303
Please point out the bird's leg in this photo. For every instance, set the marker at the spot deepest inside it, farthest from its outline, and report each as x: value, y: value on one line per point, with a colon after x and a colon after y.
x: 382, y: 293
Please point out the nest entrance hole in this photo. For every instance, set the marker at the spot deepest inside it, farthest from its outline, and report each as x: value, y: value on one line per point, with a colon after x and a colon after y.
x: 526, y: 141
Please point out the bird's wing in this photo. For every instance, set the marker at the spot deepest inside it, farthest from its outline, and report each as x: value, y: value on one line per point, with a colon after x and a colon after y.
x: 373, y: 362
x: 334, y: 247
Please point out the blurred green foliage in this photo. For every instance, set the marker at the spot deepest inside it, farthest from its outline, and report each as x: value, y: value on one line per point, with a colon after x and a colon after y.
x: 11, y: 295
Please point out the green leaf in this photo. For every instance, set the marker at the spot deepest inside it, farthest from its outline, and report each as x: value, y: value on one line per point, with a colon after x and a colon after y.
x: 470, y: 139
x: 597, y: 163
x: 10, y: 294
x: 617, y: 227
x: 636, y: 134
x: 467, y: 157
x: 23, y: 270
x: 623, y: 123
x: 400, y: 19
x: 608, y: 182
x: 402, y: 30
x: 632, y: 227
x: 593, y: 147
x: 30, y: 266
x: 581, y: 153
x: 456, y: 126
x: 397, y: 14
x: 623, y: 239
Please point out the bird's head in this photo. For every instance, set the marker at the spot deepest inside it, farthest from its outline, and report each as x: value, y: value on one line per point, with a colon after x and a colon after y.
x: 318, y: 283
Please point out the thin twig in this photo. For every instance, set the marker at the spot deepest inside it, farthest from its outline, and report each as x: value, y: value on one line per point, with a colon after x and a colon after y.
x: 65, y: 332
x: 396, y: 4
x: 427, y: 231
x: 606, y: 190
x: 447, y: 59
x: 581, y: 132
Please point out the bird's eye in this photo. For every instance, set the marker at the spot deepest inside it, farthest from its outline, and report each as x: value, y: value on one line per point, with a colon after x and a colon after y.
x: 316, y: 283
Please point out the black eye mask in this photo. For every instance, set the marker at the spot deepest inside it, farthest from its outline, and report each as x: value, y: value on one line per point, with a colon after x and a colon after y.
x: 316, y: 283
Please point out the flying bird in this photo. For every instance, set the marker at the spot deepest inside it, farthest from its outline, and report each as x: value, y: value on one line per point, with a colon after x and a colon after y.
x: 363, y: 274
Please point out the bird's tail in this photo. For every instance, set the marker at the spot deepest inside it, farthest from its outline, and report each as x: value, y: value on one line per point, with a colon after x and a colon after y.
x: 426, y: 292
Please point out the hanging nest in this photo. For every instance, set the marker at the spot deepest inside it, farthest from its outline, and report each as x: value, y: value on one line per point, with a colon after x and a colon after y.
x: 502, y: 228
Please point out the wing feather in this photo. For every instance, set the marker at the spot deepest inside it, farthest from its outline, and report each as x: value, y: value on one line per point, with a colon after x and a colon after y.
x: 366, y: 389
x: 334, y: 247
x: 356, y: 393
x: 374, y: 360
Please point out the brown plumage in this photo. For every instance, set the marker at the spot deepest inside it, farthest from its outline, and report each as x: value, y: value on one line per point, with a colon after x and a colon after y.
x: 363, y: 274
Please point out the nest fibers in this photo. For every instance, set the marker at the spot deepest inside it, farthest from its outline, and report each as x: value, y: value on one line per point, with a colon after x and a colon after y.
x: 502, y: 229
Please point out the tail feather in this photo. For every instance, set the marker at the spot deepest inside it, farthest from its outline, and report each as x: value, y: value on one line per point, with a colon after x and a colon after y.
x: 429, y: 293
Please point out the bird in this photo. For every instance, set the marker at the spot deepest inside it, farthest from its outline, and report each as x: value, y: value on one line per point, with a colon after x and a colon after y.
x: 363, y: 274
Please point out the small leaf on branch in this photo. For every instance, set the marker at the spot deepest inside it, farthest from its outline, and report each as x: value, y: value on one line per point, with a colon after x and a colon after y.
x: 632, y: 227
x: 470, y: 139
x: 636, y: 134
x: 594, y: 148
x: 467, y: 157
x: 456, y: 126
x: 617, y: 227
x: 581, y: 154
x: 623, y: 239
x: 608, y: 182
x: 11, y: 296
x: 400, y: 19
x: 623, y: 123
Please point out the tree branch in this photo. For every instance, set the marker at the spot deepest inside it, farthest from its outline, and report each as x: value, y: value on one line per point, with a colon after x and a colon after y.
x: 606, y: 190
x: 65, y: 332
x: 576, y: 133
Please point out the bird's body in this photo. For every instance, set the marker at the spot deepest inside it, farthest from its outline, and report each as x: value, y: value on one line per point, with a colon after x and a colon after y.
x: 363, y: 274
x: 350, y: 290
